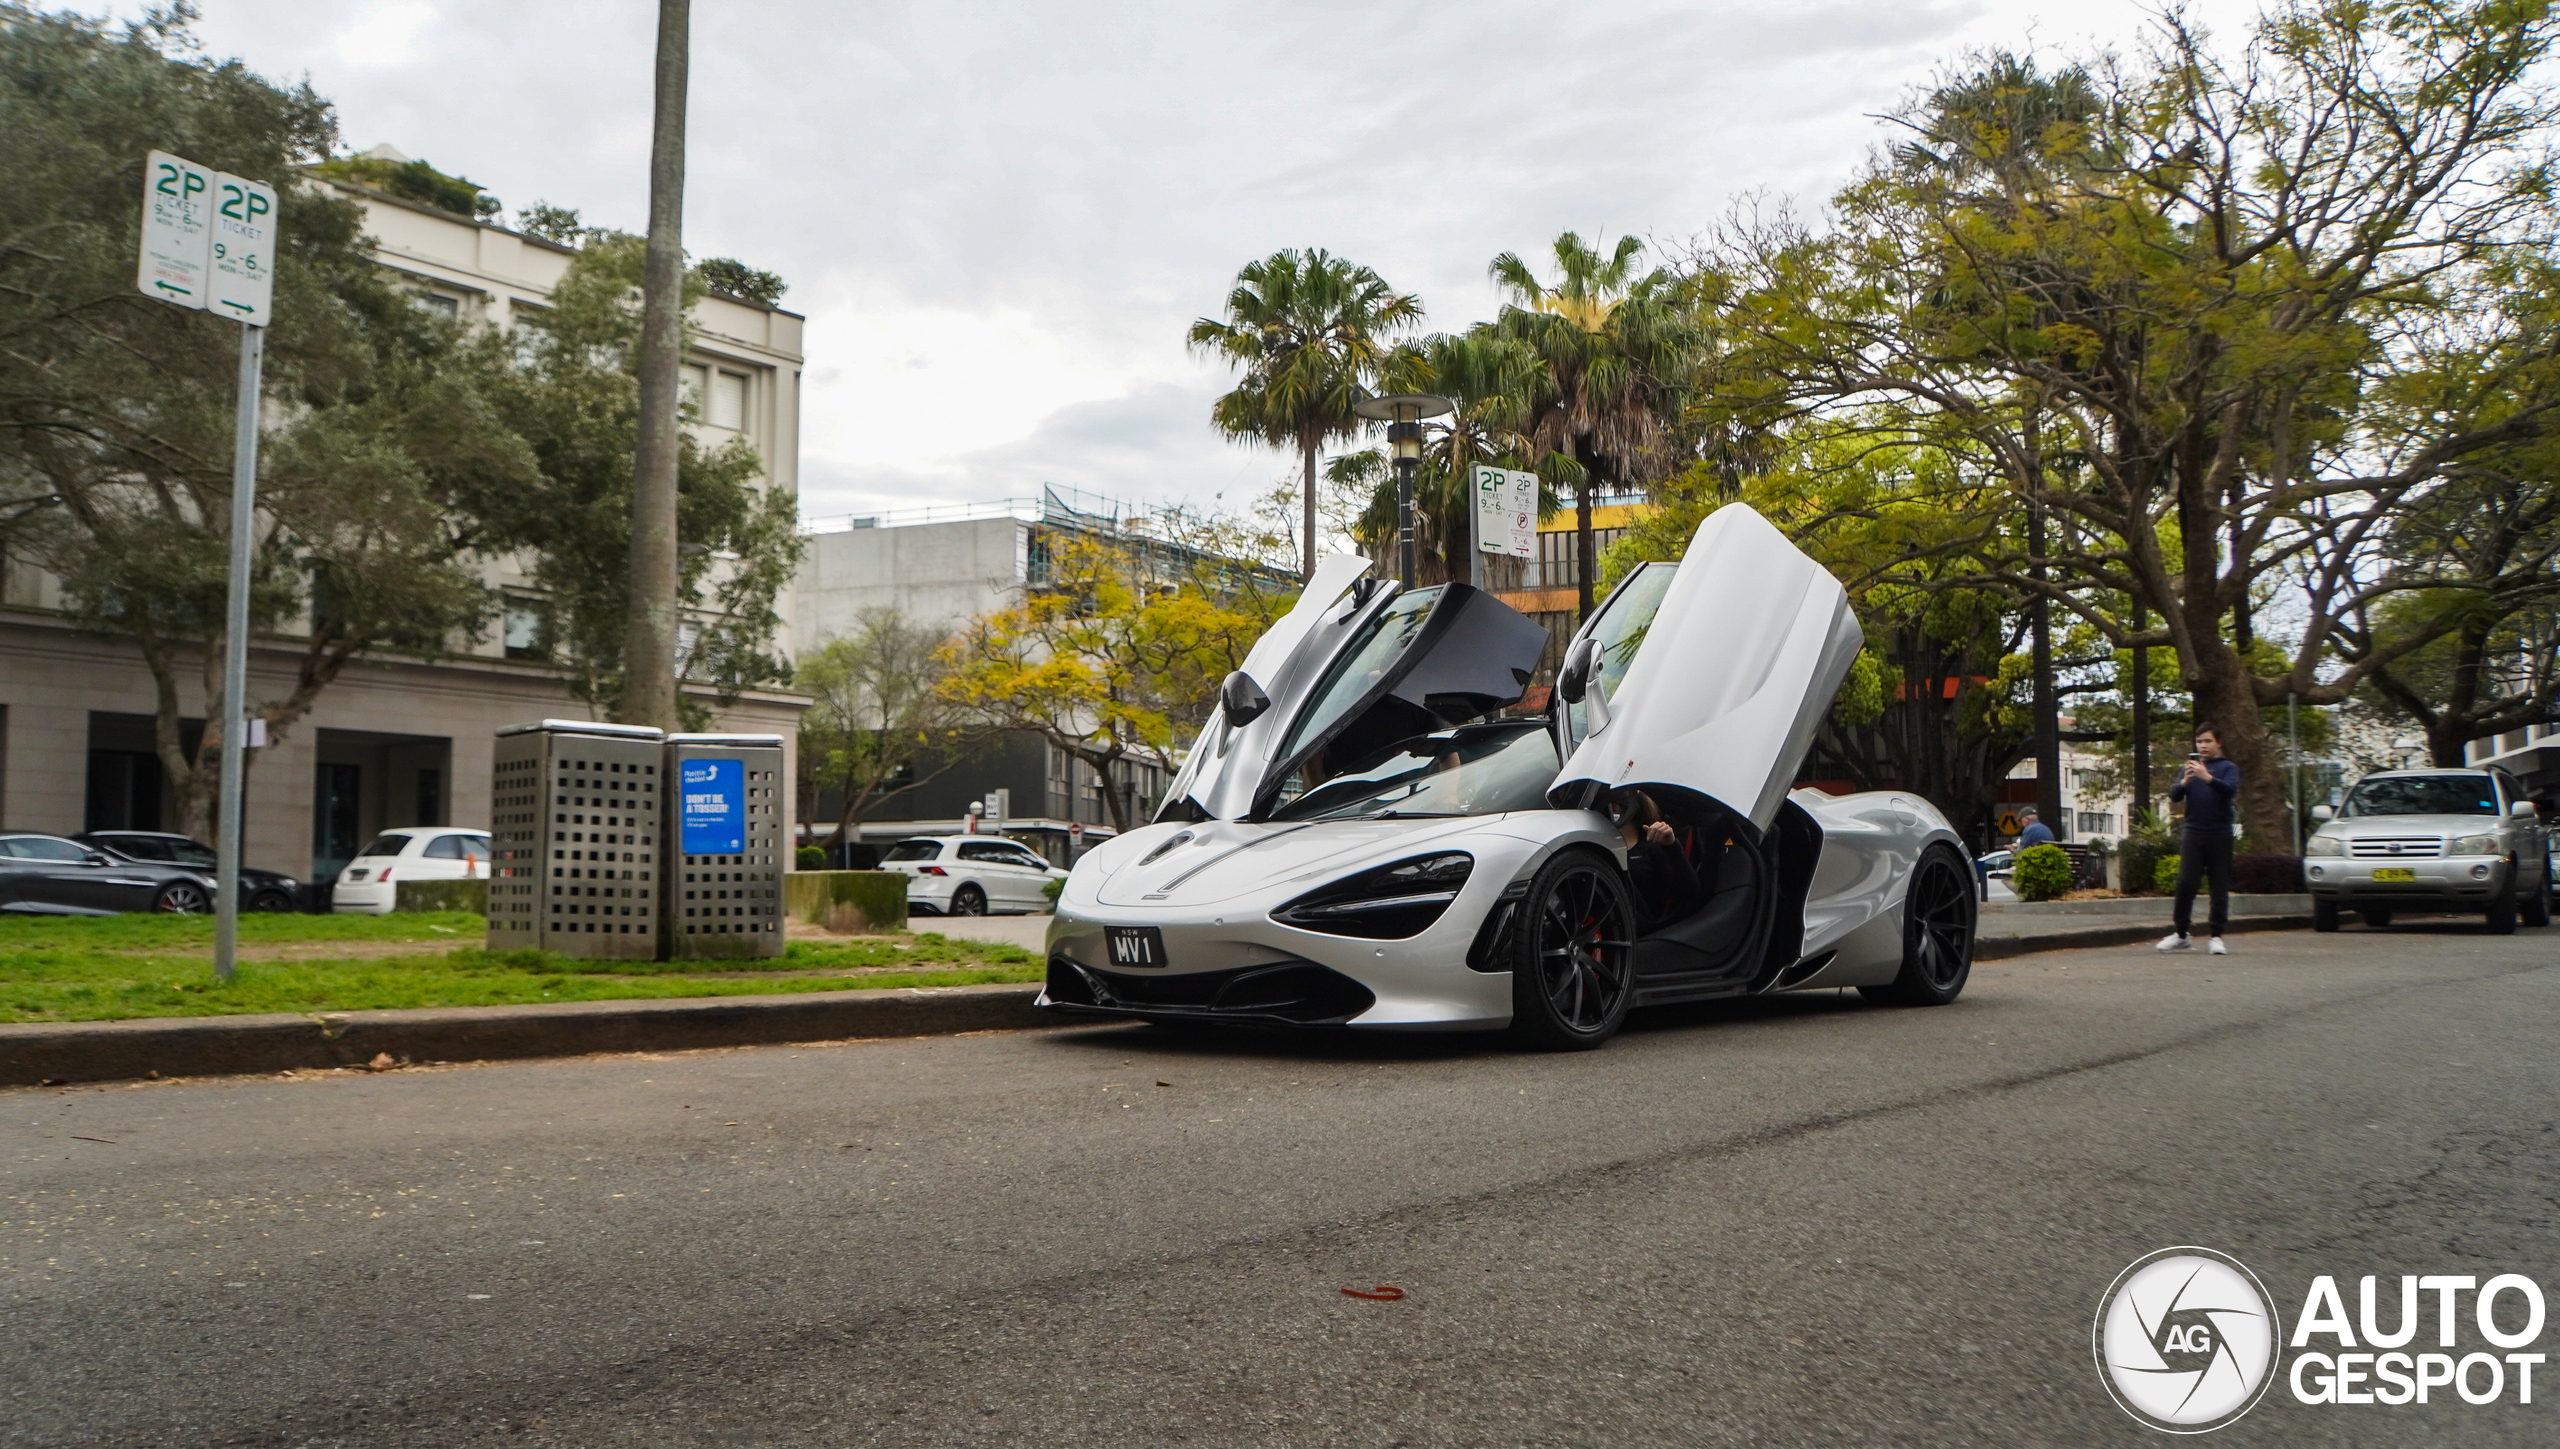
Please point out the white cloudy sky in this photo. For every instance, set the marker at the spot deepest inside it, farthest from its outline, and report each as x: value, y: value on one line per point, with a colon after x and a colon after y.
x: 998, y: 218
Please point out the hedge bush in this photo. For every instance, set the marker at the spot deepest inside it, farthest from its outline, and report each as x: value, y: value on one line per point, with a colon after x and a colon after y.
x: 810, y: 857
x: 2251, y: 875
x: 2040, y: 872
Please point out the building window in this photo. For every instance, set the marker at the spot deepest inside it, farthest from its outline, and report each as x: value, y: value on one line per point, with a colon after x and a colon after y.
x: 717, y: 399
x: 2097, y: 822
x: 442, y: 305
x: 524, y: 629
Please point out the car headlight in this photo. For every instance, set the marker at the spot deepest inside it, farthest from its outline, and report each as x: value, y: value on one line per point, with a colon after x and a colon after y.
x: 2324, y: 845
x: 2474, y: 845
x: 1385, y: 904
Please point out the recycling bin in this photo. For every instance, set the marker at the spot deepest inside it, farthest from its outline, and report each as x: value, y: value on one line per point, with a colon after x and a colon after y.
x: 725, y: 846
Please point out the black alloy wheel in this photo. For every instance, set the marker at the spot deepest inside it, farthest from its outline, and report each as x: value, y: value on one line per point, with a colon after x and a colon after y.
x: 2537, y: 902
x: 968, y: 901
x: 2324, y: 915
x: 2375, y: 916
x: 272, y: 902
x: 1573, y: 966
x: 182, y: 898
x: 1937, y: 934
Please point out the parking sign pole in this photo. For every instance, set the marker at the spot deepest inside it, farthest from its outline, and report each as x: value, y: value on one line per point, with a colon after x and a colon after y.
x: 235, y: 656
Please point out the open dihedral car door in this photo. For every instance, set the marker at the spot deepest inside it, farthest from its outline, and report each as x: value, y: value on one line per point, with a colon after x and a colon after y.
x: 1225, y: 747
x: 1729, y: 678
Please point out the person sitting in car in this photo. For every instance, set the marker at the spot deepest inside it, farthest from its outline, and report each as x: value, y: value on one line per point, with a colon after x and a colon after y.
x: 1666, y: 885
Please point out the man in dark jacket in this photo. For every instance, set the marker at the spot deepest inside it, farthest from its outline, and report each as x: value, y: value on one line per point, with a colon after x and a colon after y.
x: 2036, y: 831
x: 2208, y: 785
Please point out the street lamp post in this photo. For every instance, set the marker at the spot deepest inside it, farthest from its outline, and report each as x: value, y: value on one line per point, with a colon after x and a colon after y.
x: 1403, y: 413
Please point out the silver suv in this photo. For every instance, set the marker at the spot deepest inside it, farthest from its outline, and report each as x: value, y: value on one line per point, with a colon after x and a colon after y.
x: 2430, y: 840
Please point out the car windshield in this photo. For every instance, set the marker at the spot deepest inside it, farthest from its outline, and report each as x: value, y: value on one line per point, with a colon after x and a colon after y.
x: 41, y: 847
x: 1382, y: 641
x: 187, y: 852
x: 914, y: 850
x: 2424, y: 795
x: 386, y: 845
x: 1624, y: 618
x: 1477, y: 770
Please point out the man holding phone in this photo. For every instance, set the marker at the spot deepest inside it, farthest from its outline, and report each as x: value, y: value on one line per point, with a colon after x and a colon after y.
x: 2208, y: 785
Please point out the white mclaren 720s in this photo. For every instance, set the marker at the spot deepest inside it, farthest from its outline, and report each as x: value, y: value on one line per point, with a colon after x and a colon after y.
x: 1368, y: 835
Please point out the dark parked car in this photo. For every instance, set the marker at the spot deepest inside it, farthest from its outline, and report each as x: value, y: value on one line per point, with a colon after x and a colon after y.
x: 260, y: 890
x: 47, y: 875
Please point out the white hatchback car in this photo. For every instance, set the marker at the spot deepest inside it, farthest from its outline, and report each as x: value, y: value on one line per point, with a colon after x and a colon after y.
x: 370, y: 885
x: 971, y: 875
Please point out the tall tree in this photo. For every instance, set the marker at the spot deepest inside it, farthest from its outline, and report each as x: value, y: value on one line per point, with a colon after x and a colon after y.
x: 648, y: 694
x: 1611, y: 351
x: 567, y: 385
x: 2223, y: 321
x: 1310, y: 331
x: 382, y: 445
x: 877, y: 716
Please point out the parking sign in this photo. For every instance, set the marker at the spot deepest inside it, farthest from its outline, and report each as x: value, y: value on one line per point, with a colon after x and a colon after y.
x: 177, y: 230
x: 244, y: 229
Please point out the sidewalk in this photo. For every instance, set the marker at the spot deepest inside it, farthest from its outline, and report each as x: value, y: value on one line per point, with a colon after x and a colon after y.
x: 33, y: 1054
x: 2019, y: 928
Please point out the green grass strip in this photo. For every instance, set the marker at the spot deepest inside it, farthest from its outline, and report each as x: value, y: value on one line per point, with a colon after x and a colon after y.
x: 109, y: 968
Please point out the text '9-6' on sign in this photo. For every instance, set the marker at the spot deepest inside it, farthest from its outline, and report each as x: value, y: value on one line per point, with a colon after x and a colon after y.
x: 712, y: 810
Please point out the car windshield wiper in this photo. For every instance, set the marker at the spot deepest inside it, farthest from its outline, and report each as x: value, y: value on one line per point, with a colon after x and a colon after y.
x: 1416, y: 815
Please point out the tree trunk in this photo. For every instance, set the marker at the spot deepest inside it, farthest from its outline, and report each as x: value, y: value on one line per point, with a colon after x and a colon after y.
x: 1586, y: 560
x: 649, y: 651
x: 1307, y: 539
x: 2048, y: 721
x: 2142, y: 796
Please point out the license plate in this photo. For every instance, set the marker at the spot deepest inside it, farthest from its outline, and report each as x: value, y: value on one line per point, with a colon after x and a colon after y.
x: 2395, y: 873
x: 1135, y: 945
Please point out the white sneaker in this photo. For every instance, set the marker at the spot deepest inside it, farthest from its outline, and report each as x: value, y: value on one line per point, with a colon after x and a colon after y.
x: 2217, y: 948
x: 2173, y: 942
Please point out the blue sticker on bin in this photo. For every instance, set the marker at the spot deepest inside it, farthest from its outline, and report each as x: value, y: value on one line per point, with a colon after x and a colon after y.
x: 714, y: 808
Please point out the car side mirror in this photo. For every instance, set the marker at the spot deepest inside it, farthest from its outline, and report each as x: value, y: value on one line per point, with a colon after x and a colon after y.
x: 2323, y: 814
x: 1242, y: 699
x: 1575, y: 677
x: 97, y: 857
x: 2524, y: 810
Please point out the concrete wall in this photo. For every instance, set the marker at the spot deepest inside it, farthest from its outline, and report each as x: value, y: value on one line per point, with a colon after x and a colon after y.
x: 942, y: 574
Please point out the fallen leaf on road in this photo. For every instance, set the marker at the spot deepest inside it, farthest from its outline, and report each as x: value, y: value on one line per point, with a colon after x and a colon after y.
x: 76, y: 1137
x: 1162, y: 1083
x: 381, y: 1062
x: 1383, y: 1293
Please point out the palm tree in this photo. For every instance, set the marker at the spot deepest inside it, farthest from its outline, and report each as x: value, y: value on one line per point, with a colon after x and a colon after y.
x: 1610, y: 351
x: 1309, y: 331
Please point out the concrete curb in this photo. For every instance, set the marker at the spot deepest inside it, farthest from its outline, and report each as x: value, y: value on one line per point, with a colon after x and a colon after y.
x: 34, y: 1054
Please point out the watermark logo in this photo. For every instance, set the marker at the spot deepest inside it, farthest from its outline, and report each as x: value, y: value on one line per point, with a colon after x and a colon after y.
x: 2186, y: 1340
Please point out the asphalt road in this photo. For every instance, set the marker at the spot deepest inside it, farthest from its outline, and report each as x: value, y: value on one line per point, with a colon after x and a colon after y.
x: 1798, y: 1222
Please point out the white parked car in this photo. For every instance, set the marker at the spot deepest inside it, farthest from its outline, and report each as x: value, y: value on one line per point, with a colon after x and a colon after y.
x: 370, y: 884
x: 971, y: 875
